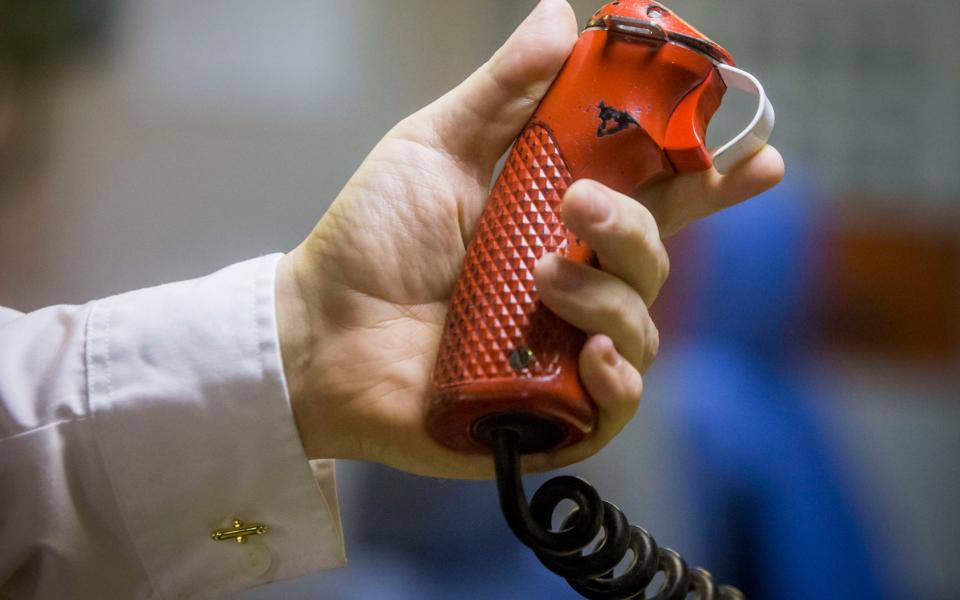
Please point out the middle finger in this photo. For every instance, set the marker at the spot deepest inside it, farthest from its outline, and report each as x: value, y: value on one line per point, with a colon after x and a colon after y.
x: 622, y: 232
x: 598, y: 302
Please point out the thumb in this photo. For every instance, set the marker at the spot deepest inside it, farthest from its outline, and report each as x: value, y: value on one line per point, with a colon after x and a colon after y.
x: 477, y: 120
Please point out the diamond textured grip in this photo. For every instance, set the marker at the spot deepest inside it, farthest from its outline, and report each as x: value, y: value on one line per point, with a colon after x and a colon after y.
x: 627, y: 109
x: 502, y: 350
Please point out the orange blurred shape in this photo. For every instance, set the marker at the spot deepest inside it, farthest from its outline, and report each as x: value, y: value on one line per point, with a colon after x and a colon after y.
x: 892, y: 287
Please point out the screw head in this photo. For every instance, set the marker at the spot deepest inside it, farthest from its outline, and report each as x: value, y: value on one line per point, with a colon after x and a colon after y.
x: 520, y: 358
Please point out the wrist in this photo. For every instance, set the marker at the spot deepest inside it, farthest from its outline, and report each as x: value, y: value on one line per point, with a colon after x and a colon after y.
x: 295, y: 329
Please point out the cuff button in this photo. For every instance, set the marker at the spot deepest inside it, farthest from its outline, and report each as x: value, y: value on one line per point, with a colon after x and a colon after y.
x: 240, y: 531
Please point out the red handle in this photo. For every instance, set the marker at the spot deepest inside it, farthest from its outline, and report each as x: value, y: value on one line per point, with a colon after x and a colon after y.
x: 504, y: 357
x: 502, y: 350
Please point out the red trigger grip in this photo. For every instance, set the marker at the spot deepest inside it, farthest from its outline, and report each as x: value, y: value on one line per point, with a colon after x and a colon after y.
x: 685, y: 142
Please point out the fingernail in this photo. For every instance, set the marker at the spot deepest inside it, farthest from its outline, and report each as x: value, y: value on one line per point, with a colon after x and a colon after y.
x: 599, y: 210
x: 593, y: 206
x: 609, y: 352
x: 567, y: 277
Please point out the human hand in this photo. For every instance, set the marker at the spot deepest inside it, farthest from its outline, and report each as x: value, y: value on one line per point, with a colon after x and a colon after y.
x: 361, y: 302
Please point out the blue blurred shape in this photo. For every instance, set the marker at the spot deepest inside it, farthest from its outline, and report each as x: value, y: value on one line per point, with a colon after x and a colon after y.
x: 770, y: 500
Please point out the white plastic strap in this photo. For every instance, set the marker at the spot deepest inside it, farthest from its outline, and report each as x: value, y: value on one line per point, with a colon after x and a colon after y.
x: 756, y: 135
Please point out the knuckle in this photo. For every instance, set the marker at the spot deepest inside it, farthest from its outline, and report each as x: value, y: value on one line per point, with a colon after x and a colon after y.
x: 615, y: 312
x: 629, y: 321
x: 663, y: 266
x: 647, y: 223
x: 635, y: 389
x: 647, y: 238
x: 636, y: 314
x: 652, y: 343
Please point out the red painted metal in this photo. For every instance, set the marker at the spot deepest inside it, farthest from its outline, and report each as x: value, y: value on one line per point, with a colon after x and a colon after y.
x: 630, y: 106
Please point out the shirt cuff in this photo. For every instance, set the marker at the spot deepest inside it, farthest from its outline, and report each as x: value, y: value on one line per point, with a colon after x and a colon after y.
x: 194, y: 425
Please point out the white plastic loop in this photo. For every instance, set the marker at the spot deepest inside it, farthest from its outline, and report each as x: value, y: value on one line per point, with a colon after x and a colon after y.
x: 756, y: 135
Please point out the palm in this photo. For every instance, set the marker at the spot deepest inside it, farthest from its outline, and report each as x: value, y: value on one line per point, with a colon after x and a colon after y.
x: 390, y: 249
x: 409, y: 207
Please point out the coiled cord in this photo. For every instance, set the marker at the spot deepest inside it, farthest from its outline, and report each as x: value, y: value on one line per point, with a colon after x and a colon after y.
x: 565, y: 551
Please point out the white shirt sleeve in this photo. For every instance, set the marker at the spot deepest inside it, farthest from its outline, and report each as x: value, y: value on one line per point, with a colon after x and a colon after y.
x: 132, y: 427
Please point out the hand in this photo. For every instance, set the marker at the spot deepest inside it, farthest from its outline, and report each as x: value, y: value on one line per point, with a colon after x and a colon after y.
x: 361, y: 302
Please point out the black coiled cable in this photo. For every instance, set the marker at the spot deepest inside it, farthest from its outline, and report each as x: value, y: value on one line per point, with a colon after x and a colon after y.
x: 565, y: 552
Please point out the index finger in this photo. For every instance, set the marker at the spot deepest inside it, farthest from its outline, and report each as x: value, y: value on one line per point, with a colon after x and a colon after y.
x: 680, y: 200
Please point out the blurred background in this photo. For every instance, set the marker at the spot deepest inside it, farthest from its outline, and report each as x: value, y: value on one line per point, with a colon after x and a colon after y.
x: 800, y: 433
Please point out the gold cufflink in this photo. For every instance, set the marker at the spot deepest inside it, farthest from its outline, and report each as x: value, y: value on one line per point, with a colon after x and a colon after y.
x: 240, y: 531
